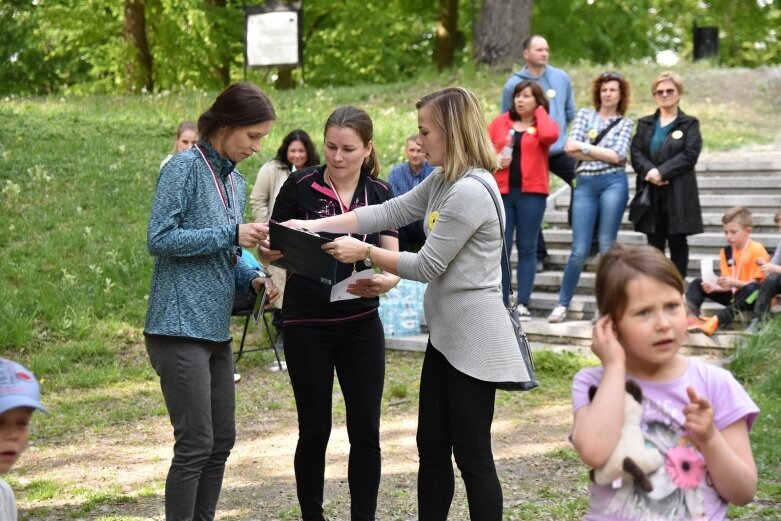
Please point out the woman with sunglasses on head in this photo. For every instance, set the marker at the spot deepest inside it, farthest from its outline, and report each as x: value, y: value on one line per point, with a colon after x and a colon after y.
x: 599, y: 141
x: 665, y: 150
x: 195, y: 235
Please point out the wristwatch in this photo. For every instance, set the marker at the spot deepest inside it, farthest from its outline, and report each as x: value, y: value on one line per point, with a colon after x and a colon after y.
x: 367, y: 261
x: 585, y: 149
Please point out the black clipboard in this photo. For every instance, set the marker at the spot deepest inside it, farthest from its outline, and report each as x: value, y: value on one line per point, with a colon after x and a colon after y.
x: 303, y: 254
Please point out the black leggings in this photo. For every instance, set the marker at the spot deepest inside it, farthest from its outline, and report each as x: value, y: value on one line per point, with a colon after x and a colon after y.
x: 356, y: 351
x: 455, y: 418
x: 679, y: 245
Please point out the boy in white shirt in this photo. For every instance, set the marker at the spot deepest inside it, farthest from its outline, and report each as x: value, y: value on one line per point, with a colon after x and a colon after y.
x: 20, y: 395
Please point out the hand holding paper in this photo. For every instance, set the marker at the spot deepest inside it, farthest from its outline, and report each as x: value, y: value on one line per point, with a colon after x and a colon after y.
x: 706, y: 269
x: 341, y: 291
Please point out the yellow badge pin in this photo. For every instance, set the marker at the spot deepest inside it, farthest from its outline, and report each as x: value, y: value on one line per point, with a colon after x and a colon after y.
x: 432, y: 219
x: 677, y: 134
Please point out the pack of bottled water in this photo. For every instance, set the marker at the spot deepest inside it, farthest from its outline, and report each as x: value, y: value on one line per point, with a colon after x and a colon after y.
x: 401, y: 309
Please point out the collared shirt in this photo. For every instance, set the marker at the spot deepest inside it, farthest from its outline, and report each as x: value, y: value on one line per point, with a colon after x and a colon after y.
x: 587, y: 124
x: 402, y: 180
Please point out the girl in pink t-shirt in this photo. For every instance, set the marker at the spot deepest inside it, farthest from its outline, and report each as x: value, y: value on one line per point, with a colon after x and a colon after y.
x: 695, y: 414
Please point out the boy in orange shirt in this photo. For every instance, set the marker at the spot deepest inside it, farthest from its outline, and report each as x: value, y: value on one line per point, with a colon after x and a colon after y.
x: 740, y: 278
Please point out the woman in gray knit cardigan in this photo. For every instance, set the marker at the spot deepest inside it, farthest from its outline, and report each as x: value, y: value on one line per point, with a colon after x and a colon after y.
x: 472, y: 346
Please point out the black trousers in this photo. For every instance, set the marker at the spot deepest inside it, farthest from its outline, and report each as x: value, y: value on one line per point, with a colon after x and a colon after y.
x: 563, y: 166
x: 695, y: 296
x: 356, y: 352
x: 769, y: 288
x: 455, y: 416
x: 679, y: 246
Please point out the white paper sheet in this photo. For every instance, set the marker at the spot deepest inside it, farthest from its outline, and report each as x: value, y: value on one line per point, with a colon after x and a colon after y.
x: 706, y: 269
x: 339, y: 291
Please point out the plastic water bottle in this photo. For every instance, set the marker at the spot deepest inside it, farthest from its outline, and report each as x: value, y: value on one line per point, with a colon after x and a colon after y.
x: 507, y: 151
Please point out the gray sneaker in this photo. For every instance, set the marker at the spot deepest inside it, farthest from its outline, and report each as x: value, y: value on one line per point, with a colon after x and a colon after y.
x: 558, y: 314
x: 524, y: 315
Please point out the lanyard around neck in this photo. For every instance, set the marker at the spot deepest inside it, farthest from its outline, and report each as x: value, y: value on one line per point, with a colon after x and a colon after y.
x: 341, y: 204
x: 223, y: 197
x: 737, y: 266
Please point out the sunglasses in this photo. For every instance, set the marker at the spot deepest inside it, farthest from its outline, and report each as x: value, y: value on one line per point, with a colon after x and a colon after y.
x: 664, y: 92
x: 611, y: 76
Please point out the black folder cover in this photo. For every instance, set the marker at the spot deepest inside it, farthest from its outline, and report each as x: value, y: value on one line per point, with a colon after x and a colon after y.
x: 302, y: 253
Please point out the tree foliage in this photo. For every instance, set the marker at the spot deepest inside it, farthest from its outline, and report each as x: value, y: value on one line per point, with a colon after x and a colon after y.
x: 602, y: 31
x: 78, y: 46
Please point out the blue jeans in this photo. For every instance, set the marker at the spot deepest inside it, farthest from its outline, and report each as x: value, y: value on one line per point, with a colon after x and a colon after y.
x: 599, y: 195
x: 523, y: 213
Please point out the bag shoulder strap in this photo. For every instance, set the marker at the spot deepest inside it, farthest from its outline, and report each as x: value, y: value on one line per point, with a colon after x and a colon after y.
x: 605, y: 131
x: 505, y: 253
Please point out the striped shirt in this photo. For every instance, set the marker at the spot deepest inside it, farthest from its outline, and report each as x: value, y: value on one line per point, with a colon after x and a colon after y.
x: 588, y: 125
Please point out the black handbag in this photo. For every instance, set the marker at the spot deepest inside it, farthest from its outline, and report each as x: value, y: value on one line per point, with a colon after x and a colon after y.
x: 640, y: 203
x: 512, y: 310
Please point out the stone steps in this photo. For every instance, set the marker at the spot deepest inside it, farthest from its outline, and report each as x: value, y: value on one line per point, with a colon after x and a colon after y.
x: 724, y: 180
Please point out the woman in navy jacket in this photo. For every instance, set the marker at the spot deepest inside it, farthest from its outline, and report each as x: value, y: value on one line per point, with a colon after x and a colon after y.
x: 664, y: 151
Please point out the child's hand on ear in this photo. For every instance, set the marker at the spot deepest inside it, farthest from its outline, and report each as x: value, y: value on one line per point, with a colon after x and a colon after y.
x: 605, y: 344
x: 699, y: 418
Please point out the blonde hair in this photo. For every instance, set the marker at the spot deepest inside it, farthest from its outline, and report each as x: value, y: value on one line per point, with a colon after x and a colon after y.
x: 457, y: 114
x: 668, y: 76
x: 620, y: 265
x: 740, y: 215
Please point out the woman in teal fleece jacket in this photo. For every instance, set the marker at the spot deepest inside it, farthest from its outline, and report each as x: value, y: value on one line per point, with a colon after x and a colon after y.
x: 195, y: 235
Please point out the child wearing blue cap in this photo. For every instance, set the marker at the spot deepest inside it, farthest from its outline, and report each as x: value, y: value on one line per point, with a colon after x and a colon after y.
x: 20, y: 395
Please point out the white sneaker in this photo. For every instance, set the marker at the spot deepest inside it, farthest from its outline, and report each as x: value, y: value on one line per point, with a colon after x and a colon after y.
x: 524, y: 315
x: 558, y: 314
x: 236, y: 378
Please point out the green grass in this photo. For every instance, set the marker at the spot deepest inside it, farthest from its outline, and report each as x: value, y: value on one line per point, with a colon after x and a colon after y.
x: 757, y: 363
x: 77, y: 177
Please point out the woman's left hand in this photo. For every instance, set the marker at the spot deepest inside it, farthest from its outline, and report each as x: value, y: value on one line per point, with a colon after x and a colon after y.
x: 373, y: 287
x: 346, y: 249
x: 654, y: 177
x: 272, y: 292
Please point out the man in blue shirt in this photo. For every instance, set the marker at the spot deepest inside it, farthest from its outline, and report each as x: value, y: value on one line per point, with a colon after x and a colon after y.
x: 558, y: 89
x: 403, y: 178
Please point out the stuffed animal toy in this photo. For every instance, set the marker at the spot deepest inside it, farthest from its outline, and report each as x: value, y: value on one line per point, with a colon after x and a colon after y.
x: 631, y: 459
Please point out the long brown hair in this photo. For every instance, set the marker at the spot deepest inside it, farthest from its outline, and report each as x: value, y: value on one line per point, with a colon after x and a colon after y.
x: 358, y: 120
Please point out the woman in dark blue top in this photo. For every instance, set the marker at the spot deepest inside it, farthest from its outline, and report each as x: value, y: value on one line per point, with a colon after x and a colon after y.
x: 195, y: 235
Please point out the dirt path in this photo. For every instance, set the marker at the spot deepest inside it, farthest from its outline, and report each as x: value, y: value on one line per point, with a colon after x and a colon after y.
x: 132, y: 460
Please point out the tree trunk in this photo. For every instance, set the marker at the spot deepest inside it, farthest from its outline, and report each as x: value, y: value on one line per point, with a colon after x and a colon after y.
x: 139, y: 67
x: 284, y: 78
x: 503, y: 26
x: 222, y: 68
x: 446, y: 41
